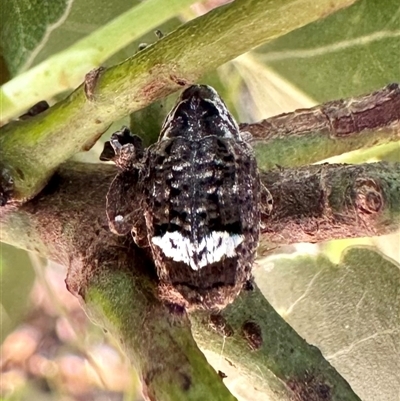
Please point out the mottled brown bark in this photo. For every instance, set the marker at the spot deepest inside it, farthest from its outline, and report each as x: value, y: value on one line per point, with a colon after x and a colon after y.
x: 338, y: 118
x: 310, y: 204
x: 328, y: 201
x: 307, y: 136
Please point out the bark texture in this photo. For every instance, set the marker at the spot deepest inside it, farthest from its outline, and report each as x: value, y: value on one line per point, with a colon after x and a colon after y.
x: 307, y: 136
x: 329, y: 201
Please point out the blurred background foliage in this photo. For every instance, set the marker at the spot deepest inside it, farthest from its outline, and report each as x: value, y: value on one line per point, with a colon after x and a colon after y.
x: 342, y: 296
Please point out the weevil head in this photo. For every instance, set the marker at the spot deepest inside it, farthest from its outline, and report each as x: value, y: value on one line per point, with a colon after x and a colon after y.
x: 199, y: 112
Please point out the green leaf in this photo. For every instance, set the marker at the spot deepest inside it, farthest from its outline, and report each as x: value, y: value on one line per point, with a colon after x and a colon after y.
x: 349, y: 310
x: 26, y: 28
x: 351, y: 52
x: 45, y: 28
x: 16, y: 280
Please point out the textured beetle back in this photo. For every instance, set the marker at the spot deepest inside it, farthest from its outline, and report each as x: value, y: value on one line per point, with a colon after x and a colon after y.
x: 201, y: 197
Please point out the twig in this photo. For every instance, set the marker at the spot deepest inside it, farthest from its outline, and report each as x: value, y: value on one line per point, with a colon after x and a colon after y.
x: 307, y: 136
x: 72, y: 63
x: 324, y: 202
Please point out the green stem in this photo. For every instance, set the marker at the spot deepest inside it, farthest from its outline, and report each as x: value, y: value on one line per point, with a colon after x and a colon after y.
x: 44, y: 80
x: 156, y: 339
x: 275, y: 358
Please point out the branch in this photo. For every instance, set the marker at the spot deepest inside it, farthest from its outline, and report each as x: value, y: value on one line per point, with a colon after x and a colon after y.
x: 64, y: 70
x: 31, y: 150
x: 262, y: 346
x: 323, y: 202
x: 307, y: 136
x: 117, y: 287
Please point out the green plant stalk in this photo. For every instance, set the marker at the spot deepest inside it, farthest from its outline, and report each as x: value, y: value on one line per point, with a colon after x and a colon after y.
x: 65, y: 70
x: 159, y: 344
x: 299, y: 366
x: 32, y: 150
x: 294, y: 151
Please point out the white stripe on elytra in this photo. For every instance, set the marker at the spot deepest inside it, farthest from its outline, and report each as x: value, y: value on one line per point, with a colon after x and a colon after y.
x: 180, y: 249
